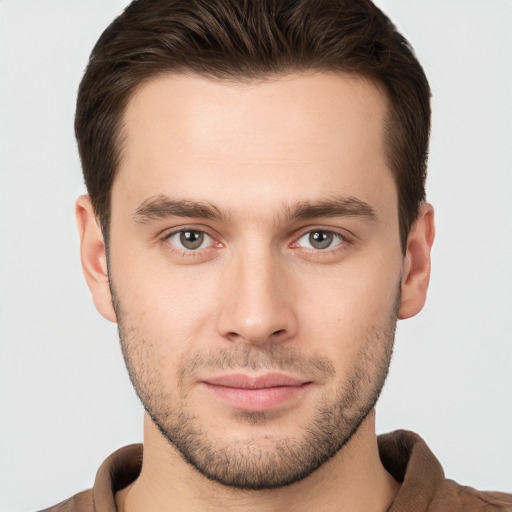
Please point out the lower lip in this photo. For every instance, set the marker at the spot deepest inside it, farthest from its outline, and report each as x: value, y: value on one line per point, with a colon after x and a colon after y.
x: 261, y: 399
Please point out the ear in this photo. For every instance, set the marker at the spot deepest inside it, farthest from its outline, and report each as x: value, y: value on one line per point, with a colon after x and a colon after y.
x: 416, y: 265
x: 94, y: 257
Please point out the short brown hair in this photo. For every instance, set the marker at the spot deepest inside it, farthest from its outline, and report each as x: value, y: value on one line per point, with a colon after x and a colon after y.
x: 245, y: 40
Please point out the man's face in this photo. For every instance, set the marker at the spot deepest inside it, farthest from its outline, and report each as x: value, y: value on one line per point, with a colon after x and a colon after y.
x: 256, y: 267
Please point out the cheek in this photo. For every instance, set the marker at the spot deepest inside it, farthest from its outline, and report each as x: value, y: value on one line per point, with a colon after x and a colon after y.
x: 344, y: 308
x: 351, y: 293
x: 169, y: 306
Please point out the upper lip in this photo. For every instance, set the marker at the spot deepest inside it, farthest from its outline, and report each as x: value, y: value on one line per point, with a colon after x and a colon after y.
x: 269, y: 380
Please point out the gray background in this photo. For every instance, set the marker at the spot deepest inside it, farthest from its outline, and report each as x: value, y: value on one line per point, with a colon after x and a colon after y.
x: 65, y: 401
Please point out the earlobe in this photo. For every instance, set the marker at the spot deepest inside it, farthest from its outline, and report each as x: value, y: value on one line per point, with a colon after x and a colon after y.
x: 93, y: 257
x: 416, y: 264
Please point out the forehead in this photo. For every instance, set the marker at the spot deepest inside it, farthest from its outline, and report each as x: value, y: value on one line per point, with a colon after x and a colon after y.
x: 293, y: 137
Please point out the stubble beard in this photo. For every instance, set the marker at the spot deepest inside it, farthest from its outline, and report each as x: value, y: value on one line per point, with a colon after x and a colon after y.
x: 250, y: 463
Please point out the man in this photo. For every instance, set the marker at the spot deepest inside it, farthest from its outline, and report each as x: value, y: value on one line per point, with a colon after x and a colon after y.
x: 256, y: 223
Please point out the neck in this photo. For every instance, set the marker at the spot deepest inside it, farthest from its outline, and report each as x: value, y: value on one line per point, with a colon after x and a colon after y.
x: 353, y: 480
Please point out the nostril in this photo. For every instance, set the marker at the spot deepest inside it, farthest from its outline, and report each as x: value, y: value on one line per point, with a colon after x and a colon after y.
x: 275, y: 333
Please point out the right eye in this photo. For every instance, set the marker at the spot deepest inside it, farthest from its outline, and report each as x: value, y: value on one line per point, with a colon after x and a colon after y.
x: 190, y: 239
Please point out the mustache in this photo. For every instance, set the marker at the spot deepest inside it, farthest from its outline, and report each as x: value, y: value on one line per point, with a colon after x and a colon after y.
x: 271, y: 357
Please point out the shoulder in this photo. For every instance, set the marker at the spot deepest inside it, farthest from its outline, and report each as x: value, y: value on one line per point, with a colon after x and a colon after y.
x: 117, y: 471
x: 81, y: 502
x: 460, y: 498
x: 424, y: 487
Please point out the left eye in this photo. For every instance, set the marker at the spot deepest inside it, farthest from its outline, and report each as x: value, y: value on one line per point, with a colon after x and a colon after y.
x: 190, y: 239
x: 320, y: 239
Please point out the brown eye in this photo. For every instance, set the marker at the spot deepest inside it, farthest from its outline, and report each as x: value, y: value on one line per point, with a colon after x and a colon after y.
x: 189, y: 239
x: 320, y: 239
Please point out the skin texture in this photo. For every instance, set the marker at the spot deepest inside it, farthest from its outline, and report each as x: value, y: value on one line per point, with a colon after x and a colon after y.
x: 255, y: 172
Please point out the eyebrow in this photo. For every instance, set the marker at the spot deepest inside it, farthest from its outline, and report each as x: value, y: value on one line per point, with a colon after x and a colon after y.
x: 162, y: 207
x: 338, y: 206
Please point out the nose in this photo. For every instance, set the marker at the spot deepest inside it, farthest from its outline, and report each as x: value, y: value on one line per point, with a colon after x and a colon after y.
x: 257, y: 302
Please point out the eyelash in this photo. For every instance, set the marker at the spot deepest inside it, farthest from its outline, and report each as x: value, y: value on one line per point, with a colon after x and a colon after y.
x: 345, y: 240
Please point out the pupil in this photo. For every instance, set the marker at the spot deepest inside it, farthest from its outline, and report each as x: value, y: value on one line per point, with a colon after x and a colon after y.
x: 191, y: 239
x: 320, y: 239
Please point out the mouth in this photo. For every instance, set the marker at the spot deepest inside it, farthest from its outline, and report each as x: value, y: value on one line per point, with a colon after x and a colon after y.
x: 256, y: 393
